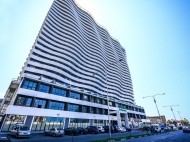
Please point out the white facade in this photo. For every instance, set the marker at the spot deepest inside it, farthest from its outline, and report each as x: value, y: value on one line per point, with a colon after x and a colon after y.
x: 70, y: 48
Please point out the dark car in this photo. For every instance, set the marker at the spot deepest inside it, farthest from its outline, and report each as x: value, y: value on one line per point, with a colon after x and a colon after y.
x: 106, y: 128
x: 82, y: 130
x: 71, y: 131
x: 92, y: 129
x: 128, y: 129
x: 186, y: 130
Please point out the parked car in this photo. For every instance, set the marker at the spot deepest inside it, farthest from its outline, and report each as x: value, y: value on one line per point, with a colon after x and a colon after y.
x: 54, y: 132
x: 167, y: 128
x: 82, y: 130
x: 119, y: 129
x: 101, y: 129
x: 186, y: 130
x: 71, y: 131
x: 106, y: 128
x: 123, y: 129
x: 157, y: 128
x: 173, y: 127
x: 128, y: 129
x: 92, y: 129
x: 20, y: 130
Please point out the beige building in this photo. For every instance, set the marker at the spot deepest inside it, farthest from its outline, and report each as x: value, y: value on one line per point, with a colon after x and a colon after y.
x: 156, y: 119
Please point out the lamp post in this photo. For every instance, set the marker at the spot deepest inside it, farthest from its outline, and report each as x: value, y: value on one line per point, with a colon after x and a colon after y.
x: 155, y: 103
x: 57, y: 118
x: 172, y: 109
x: 94, y: 120
x: 108, y: 95
x: 180, y: 116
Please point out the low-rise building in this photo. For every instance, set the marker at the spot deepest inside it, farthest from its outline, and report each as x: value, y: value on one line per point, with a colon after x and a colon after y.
x: 156, y: 119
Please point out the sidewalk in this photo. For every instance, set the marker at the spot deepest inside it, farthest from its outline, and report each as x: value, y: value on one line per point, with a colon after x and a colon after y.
x: 32, y: 132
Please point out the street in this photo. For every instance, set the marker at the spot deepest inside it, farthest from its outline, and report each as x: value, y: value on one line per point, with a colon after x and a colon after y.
x: 177, y: 136
x: 68, y: 138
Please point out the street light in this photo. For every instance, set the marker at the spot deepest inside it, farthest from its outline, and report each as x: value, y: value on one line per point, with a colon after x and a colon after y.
x: 172, y: 109
x: 155, y: 103
x: 180, y: 116
x: 107, y: 94
x: 57, y: 118
x: 94, y: 120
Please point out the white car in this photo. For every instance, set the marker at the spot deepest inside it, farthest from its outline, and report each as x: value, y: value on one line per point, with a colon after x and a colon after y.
x: 123, y: 129
x: 54, y: 132
x: 20, y: 130
x: 101, y: 129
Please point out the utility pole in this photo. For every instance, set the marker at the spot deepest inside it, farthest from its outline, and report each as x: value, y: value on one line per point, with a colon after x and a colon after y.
x: 156, y: 104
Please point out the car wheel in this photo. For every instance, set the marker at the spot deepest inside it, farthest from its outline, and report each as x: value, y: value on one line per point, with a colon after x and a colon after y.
x: 54, y: 135
x: 82, y: 133
x: 45, y: 134
x: 93, y: 132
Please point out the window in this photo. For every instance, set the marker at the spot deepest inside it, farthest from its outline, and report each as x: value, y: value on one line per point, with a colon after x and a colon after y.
x: 92, y: 99
x: 39, y: 103
x: 84, y: 109
x: 92, y: 110
x: 31, y: 85
x: 44, y: 88
x: 98, y: 101
x: 110, y: 103
x: 104, y: 102
x: 74, y: 108
x: 59, y: 92
x: 98, y: 111
x: 74, y: 95
x: 24, y: 101
x: 56, y: 105
x: 85, y: 98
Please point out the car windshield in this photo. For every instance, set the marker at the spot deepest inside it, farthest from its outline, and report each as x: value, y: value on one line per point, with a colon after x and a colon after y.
x: 24, y: 128
x: 59, y: 129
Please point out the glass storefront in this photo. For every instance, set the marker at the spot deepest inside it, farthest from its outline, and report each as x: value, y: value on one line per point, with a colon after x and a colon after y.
x: 11, y: 120
x: 45, y: 123
x: 98, y: 123
x: 74, y: 122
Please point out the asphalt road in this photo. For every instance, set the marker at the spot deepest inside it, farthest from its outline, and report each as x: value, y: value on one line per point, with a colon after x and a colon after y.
x: 67, y: 138
x: 176, y: 136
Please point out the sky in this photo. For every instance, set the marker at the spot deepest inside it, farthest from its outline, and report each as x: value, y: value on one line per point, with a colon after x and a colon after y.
x: 155, y: 35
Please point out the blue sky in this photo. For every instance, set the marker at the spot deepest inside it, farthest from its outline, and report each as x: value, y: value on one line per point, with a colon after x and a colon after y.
x: 155, y: 34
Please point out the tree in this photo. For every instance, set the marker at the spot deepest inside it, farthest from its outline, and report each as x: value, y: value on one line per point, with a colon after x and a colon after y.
x: 184, y: 122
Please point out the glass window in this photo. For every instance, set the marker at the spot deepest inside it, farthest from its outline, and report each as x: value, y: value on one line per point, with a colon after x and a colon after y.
x: 104, y: 102
x: 92, y: 99
x: 44, y: 88
x: 24, y: 101
x: 39, y: 103
x: 98, y: 111
x: 85, y: 98
x: 84, y: 109
x: 59, y: 92
x: 56, y: 105
x: 98, y: 101
x: 92, y: 110
x: 74, y: 108
x: 74, y: 95
x: 28, y: 84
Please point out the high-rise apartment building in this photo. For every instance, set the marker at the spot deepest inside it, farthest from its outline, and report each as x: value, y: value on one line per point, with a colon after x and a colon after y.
x: 72, y: 67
